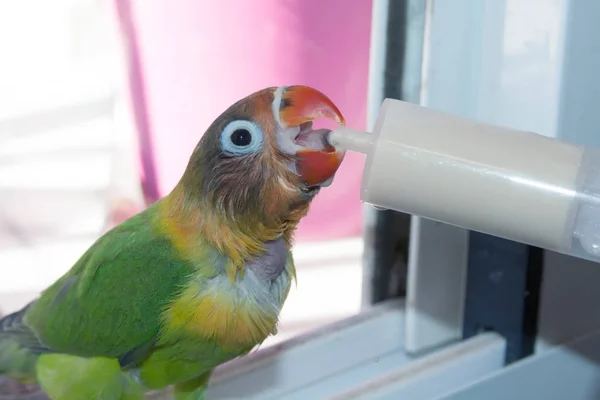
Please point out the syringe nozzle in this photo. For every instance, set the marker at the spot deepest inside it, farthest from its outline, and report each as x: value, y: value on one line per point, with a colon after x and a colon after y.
x: 351, y: 139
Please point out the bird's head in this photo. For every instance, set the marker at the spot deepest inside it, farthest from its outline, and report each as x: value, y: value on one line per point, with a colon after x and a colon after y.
x: 260, y: 163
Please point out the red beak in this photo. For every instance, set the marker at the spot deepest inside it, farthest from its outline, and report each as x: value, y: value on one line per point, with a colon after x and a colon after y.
x: 302, y: 104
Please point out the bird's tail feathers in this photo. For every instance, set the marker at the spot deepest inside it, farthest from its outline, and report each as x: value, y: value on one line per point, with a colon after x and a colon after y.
x: 16, y: 361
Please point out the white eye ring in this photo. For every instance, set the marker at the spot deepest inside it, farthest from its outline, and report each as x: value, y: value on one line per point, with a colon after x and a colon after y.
x: 241, y: 137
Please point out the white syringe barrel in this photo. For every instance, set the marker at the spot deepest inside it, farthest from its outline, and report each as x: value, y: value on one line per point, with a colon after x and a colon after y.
x: 513, y: 184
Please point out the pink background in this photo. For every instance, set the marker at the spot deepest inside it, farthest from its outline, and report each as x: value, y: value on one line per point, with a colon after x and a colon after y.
x: 189, y: 60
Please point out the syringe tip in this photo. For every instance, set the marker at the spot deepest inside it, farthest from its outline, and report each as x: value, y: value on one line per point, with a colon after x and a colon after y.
x: 351, y: 139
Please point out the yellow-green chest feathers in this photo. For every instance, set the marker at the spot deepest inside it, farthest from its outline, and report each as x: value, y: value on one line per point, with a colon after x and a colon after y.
x: 240, y: 278
x: 238, y: 312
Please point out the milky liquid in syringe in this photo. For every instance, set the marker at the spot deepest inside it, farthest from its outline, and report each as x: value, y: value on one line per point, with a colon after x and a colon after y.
x: 513, y: 184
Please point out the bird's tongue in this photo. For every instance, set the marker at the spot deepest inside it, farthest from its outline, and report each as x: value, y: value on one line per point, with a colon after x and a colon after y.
x: 314, y: 140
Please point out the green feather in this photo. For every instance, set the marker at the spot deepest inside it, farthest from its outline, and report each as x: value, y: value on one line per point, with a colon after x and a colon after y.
x: 111, y: 301
x: 16, y: 361
x: 70, y: 377
x: 107, y: 307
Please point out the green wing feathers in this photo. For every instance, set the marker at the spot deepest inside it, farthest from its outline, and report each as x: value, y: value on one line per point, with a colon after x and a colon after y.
x: 109, y: 304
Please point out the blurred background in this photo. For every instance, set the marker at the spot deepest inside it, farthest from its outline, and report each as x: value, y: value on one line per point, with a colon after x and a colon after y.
x: 102, y: 102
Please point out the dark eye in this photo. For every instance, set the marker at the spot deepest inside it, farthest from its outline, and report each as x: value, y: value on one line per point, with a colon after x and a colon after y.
x: 241, y: 137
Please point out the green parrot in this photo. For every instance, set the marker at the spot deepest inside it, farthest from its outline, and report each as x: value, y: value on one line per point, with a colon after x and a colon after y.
x: 196, y: 279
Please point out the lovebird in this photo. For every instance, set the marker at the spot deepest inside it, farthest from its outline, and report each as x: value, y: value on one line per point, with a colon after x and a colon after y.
x: 196, y: 279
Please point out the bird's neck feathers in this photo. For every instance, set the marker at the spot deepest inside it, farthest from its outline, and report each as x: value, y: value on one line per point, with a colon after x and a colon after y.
x: 238, y: 222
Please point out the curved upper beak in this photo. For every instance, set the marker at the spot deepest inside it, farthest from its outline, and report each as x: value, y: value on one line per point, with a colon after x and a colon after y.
x: 317, y: 160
